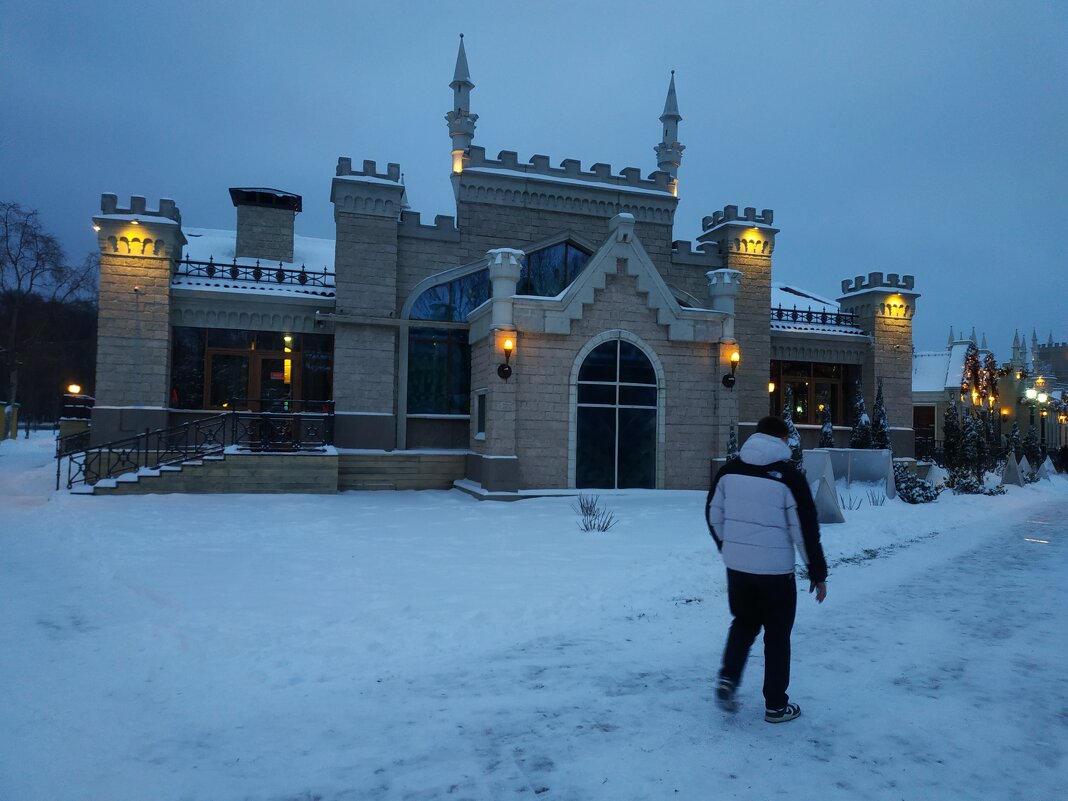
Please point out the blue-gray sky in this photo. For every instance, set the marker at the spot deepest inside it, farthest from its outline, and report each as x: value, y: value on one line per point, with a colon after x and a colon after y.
x: 928, y: 138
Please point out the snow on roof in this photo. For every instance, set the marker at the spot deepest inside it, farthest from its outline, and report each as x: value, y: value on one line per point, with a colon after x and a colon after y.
x: 556, y: 179
x: 929, y: 371
x: 250, y: 287
x: 789, y: 296
x: 220, y: 246
x: 817, y: 328
x: 369, y: 179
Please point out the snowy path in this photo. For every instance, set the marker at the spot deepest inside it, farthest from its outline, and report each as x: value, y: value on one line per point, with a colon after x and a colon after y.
x: 426, y: 646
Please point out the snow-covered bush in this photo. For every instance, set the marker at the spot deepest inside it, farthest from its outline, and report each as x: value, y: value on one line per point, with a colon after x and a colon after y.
x: 827, y: 429
x: 911, y: 488
x: 793, y: 438
x: 860, y: 436
x: 880, y: 426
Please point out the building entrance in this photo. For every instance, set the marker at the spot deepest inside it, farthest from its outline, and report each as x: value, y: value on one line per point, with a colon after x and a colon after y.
x: 616, y: 431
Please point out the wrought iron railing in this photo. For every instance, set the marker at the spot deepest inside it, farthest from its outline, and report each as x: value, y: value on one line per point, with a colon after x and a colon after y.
x: 257, y: 273
x: 928, y: 449
x: 795, y: 315
x: 255, y: 431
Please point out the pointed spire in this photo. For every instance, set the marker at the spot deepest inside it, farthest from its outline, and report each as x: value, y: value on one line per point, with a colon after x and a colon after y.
x: 1034, y: 337
x: 983, y: 346
x: 460, y: 120
x: 462, y: 73
x: 1049, y: 342
x: 973, y: 337
x: 1015, y: 339
x: 950, y: 342
x: 671, y: 105
x: 669, y: 151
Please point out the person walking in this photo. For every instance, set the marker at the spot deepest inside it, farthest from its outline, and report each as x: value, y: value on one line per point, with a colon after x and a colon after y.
x: 759, y: 509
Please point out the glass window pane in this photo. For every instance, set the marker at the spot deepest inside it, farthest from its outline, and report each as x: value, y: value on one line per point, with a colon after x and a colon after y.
x: 600, y: 364
x: 826, y: 397
x: 459, y: 379
x: 637, y: 448
x: 428, y: 364
x: 827, y: 370
x: 800, y: 410
x: 800, y: 369
x: 637, y: 396
x: 232, y: 338
x: 229, y: 379
x: 272, y: 341
x: 547, y: 269
x: 634, y: 366
x: 576, y: 262
x: 317, y: 377
x: 468, y: 293
x: 597, y: 393
x: 595, y: 463
x: 434, y: 304
x: 187, y: 368
x: 480, y: 419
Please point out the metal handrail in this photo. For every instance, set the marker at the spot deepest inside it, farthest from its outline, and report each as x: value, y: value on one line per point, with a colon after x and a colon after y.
x: 256, y: 431
x: 796, y: 315
x: 257, y: 273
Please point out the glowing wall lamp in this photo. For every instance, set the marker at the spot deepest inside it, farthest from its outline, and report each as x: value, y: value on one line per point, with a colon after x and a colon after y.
x: 729, y: 379
x: 505, y: 370
x: 74, y: 389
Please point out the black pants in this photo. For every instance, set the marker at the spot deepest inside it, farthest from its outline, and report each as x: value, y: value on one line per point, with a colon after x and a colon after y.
x: 756, y: 602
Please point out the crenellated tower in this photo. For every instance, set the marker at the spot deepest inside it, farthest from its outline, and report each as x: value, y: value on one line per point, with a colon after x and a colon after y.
x: 461, y: 121
x: 138, y: 248
x: 884, y: 307
x: 669, y: 151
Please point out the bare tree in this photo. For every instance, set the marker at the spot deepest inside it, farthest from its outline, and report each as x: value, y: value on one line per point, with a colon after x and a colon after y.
x: 32, y: 262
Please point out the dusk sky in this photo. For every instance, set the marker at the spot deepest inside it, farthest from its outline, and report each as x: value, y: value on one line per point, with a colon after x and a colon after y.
x: 928, y: 138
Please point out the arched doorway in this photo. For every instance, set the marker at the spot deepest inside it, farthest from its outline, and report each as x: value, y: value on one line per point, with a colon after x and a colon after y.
x: 616, y: 417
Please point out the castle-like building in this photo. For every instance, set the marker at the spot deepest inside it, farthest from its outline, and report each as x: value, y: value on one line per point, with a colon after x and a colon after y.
x: 552, y: 335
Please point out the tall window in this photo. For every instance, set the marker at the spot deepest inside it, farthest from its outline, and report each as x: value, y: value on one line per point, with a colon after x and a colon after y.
x: 616, y: 432
x: 439, y: 359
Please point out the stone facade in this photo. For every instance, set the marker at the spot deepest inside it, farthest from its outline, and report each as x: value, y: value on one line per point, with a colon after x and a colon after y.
x: 684, y: 307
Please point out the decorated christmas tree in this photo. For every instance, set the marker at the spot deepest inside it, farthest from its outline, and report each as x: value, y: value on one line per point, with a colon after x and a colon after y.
x: 860, y: 436
x: 970, y: 380
x: 951, y: 441
x: 794, y: 438
x: 880, y: 429
x: 1031, y: 448
x: 827, y: 429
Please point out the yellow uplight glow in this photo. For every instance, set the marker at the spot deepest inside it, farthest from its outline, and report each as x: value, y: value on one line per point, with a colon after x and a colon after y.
x: 508, y: 346
x: 771, y: 387
x: 75, y: 389
x: 457, y: 161
x: 287, y: 339
x: 287, y: 370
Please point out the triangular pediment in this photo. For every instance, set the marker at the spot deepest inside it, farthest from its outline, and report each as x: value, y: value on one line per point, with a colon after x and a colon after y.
x: 620, y: 254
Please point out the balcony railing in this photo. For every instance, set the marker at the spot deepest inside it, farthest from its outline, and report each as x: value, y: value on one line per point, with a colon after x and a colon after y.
x: 810, y: 317
x: 257, y: 273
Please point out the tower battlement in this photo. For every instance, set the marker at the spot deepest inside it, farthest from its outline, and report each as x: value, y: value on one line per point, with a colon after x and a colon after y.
x: 109, y: 206
x: 876, y: 280
x: 370, y: 170
x: 729, y: 214
x: 570, y: 171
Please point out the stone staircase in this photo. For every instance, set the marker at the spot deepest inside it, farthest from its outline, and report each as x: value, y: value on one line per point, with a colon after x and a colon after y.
x: 230, y: 473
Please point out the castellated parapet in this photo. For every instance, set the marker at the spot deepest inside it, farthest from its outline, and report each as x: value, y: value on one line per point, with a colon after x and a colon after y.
x: 893, y: 281
x: 730, y: 215
x: 505, y: 181
x: 137, y: 230
x: 444, y: 228
x: 751, y: 233
x: 367, y: 191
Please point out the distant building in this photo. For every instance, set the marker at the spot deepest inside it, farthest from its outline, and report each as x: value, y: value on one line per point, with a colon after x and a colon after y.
x: 552, y: 335
x: 938, y: 382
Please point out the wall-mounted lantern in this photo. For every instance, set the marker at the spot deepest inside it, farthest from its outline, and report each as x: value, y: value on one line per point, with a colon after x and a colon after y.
x: 729, y: 379
x: 505, y: 370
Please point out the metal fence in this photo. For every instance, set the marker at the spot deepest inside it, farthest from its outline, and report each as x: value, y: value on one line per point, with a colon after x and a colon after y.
x: 256, y: 273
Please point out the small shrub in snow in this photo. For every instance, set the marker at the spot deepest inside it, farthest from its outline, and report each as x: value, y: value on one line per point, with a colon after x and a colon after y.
x: 911, y: 488
x: 876, y: 497
x: 849, y: 503
x: 860, y: 436
x: 592, y: 517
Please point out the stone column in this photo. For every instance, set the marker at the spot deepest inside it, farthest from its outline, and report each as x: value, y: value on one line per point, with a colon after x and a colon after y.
x: 138, y: 247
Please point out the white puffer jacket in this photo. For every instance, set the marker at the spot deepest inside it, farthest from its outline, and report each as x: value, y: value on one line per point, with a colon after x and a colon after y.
x: 760, y: 509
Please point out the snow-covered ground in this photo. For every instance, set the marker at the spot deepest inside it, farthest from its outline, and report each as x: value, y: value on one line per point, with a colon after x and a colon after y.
x: 424, y: 645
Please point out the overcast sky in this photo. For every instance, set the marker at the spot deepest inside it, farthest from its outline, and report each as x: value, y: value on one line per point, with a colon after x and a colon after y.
x: 928, y: 138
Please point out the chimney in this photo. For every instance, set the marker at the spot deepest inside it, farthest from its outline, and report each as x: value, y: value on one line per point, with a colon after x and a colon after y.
x: 265, y: 223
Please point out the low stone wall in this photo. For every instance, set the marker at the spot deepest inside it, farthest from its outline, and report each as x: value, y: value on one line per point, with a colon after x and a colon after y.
x: 389, y: 470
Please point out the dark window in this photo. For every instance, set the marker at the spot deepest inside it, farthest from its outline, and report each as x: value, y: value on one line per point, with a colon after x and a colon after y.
x: 815, y: 386
x: 211, y: 367
x: 480, y: 415
x: 617, y: 403
x: 187, y: 368
x: 549, y: 271
x: 439, y: 371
